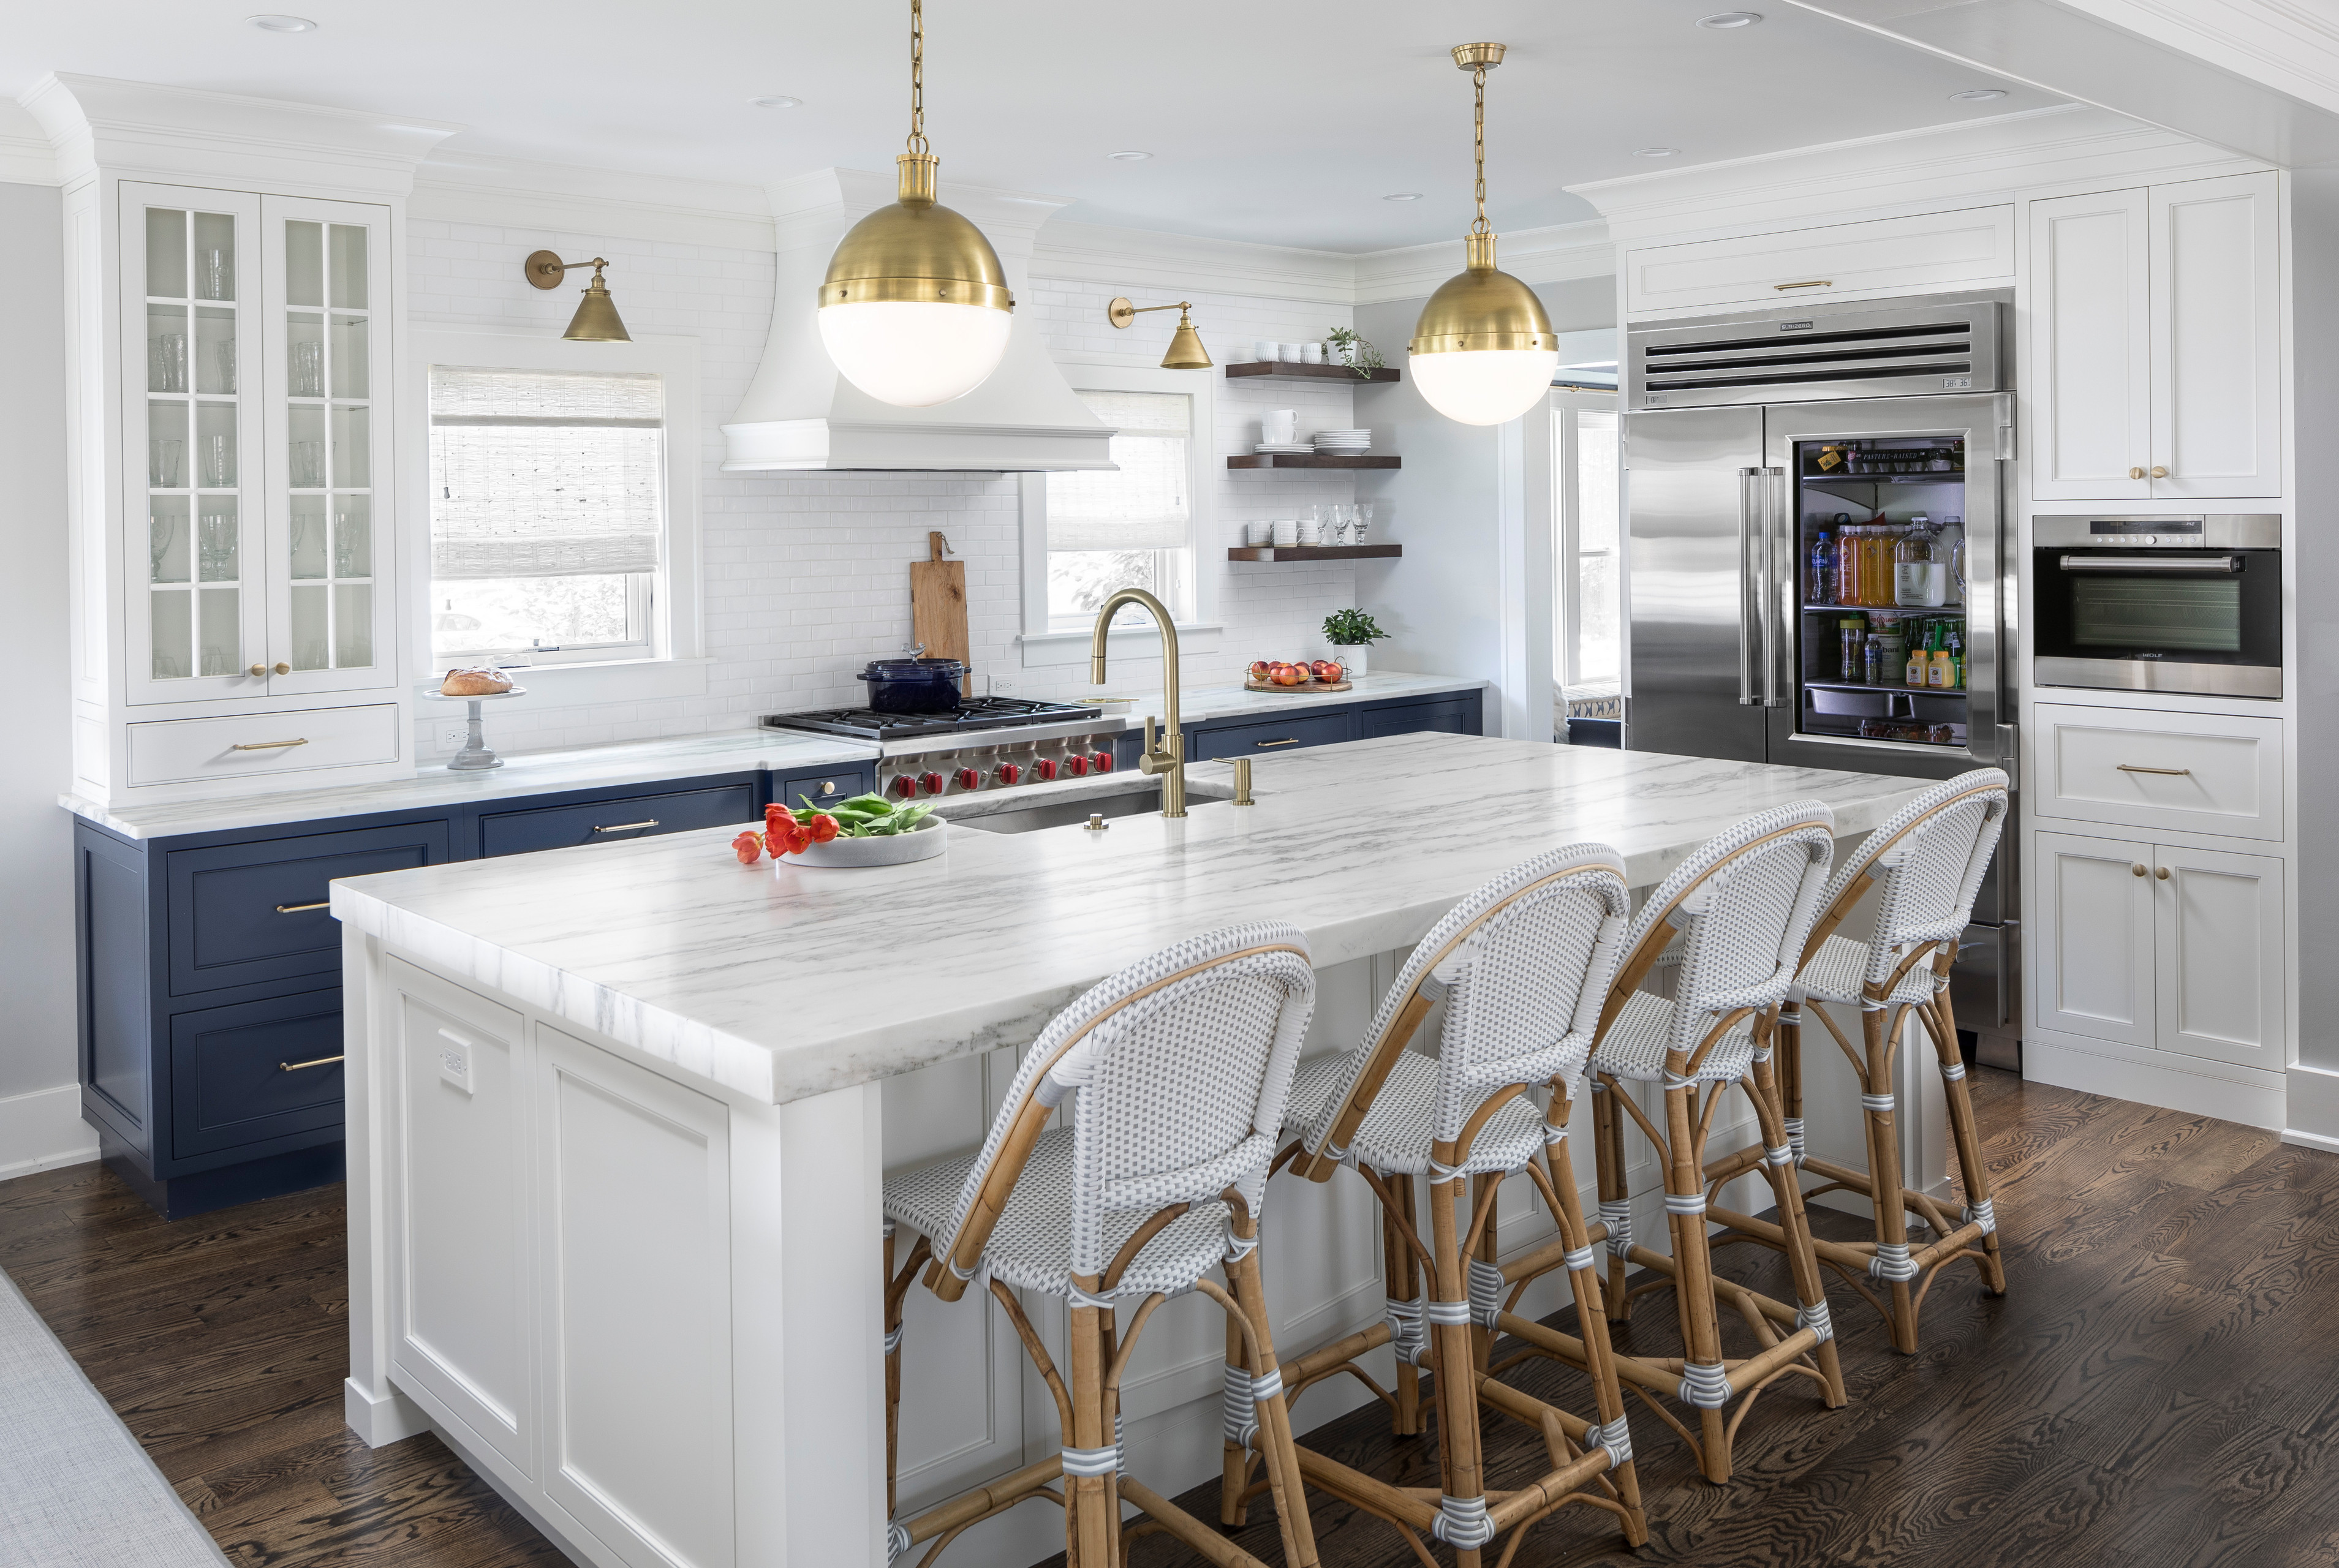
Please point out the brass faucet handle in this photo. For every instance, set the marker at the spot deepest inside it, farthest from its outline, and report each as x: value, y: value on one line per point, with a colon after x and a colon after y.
x: 1242, y: 782
x: 1151, y: 745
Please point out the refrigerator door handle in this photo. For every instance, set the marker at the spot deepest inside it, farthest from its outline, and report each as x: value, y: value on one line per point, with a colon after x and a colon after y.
x: 1754, y: 582
x: 1781, y: 580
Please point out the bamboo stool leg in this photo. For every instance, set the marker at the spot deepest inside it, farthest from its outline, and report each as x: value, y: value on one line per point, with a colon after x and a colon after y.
x: 1790, y: 1076
x: 1608, y: 1395
x: 1880, y: 1024
x: 1693, y: 1282
x: 1094, y: 1523
x: 1236, y: 1461
x: 1810, y: 1287
x: 1482, y: 1338
x: 1616, y: 1205
x: 1449, y: 1334
x: 1404, y: 1272
x: 893, y: 1379
x: 1274, y: 1413
x: 1973, y: 1175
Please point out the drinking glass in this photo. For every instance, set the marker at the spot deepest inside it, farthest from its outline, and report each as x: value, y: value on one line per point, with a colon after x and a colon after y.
x: 217, y: 547
x: 308, y: 369
x: 218, y: 280
x: 163, y: 463
x: 219, y: 462
x: 345, y: 550
x: 307, y: 465
x: 168, y: 363
x: 160, y: 531
x: 222, y: 353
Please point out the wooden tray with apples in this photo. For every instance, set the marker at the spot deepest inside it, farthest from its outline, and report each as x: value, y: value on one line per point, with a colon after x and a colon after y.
x: 1296, y: 678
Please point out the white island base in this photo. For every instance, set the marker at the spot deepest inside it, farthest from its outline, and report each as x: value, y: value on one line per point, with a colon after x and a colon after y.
x: 619, y: 1119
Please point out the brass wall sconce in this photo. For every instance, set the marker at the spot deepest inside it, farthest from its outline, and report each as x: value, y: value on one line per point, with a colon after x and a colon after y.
x: 1186, y: 350
x: 595, y: 320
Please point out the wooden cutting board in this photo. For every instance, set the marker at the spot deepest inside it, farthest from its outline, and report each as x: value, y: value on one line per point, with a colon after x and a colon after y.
x: 938, y: 603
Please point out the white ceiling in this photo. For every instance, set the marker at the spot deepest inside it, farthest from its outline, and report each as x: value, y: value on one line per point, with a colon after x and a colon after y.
x: 1283, y: 122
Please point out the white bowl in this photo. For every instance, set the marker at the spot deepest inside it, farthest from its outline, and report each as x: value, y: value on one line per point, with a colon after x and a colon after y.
x: 924, y: 842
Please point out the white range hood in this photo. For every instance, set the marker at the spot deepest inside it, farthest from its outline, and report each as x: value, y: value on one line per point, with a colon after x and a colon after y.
x: 800, y: 414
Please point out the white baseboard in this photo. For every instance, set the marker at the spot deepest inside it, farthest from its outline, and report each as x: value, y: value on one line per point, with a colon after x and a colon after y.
x: 2169, y: 1088
x: 383, y: 1419
x: 2310, y: 1140
x: 44, y: 1129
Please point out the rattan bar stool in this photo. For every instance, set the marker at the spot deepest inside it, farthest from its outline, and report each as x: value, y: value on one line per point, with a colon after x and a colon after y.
x: 1743, y: 905
x: 1182, y: 1064
x: 1926, y: 865
x: 1522, y: 965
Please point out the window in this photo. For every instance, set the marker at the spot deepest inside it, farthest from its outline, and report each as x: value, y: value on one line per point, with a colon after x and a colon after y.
x: 1586, y: 632
x: 1130, y: 528
x: 548, y: 514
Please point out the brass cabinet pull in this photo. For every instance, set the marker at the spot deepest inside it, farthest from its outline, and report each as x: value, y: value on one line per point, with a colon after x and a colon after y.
x: 1292, y: 742
x: 2162, y: 874
x: 266, y: 745
x: 2136, y: 473
x: 1813, y: 283
x: 299, y: 908
x: 2136, y: 869
x: 627, y: 827
x: 2140, y: 768
x: 297, y: 1066
x: 257, y: 670
x: 282, y: 668
x: 2158, y: 472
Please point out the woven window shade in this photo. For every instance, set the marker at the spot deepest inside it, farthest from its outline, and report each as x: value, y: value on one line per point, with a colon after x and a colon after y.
x: 1143, y: 506
x: 545, y: 473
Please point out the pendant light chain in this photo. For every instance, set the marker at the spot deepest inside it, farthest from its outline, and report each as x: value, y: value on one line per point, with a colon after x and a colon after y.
x: 918, y: 77
x: 1481, y: 226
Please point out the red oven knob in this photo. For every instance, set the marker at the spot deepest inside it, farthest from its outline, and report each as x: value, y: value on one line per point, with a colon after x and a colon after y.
x: 968, y: 779
x: 931, y: 783
x: 904, y: 786
x: 1101, y: 762
x: 1076, y: 765
x: 1045, y: 767
x: 1007, y: 772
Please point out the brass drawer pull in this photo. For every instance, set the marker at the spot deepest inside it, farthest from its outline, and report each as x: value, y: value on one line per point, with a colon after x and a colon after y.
x: 1292, y: 742
x: 2140, y: 768
x: 297, y: 1066
x: 266, y: 745
x: 2162, y: 874
x: 2135, y: 868
x: 627, y: 827
x: 300, y: 908
x: 1813, y: 283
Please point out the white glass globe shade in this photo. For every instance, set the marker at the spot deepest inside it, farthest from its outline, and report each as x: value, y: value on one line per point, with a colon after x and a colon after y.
x: 1484, y: 386
x: 915, y: 354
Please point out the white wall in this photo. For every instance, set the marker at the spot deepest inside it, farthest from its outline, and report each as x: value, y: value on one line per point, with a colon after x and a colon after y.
x: 806, y: 575
x: 40, y: 1121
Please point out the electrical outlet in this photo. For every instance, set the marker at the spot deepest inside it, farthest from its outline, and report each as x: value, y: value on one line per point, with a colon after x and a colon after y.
x: 1001, y: 688
x: 451, y: 736
x: 455, y: 1060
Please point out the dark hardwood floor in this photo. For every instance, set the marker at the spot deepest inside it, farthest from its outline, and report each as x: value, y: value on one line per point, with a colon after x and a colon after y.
x: 2158, y: 1390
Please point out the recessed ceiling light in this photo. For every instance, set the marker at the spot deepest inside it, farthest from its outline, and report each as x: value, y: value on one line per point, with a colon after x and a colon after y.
x: 1403, y: 196
x: 271, y: 22
x: 1977, y: 95
x: 1721, y: 20
x: 1654, y: 151
x: 1130, y: 157
x: 777, y: 101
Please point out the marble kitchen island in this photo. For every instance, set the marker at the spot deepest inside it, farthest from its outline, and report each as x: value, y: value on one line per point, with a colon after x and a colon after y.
x: 619, y: 1118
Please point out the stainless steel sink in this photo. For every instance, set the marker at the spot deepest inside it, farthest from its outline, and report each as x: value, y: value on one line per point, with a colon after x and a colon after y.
x: 1138, y: 796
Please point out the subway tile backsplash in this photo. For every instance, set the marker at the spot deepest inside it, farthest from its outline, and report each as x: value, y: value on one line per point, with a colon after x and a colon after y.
x: 806, y: 575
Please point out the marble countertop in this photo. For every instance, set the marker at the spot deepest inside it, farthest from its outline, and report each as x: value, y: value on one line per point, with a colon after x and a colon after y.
x: 780, y: 982
x: 527, y: 774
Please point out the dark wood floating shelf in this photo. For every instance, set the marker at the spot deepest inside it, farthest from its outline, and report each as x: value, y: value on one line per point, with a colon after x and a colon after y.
x: 1306, y: 460
x: 1326, y: 372
x: 1314, y: 552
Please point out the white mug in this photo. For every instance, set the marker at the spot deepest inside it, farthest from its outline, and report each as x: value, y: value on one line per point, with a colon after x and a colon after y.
x: 1287, y: 531
x: 1289, y: 352
x: 1312, y: 532
x: 1263, y: 349
x: 1278, y: 427
x: 1311, y: 353
x: 1258, y: 533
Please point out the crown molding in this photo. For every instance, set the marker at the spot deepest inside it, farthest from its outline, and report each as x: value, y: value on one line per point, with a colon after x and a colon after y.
x: 459, y: 187
x: 25, y: 157
x: 145, y: 131
x: 1154, y: 261
x: 2285, y: 44
x: 1552, y: 254
x: 1973, y: 160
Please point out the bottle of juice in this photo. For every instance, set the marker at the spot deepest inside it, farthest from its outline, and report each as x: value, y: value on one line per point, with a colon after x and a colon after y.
x: 1847, y: 562
x: 1940, y: 674
x: 1876, y: 562
x: 1921, y: 659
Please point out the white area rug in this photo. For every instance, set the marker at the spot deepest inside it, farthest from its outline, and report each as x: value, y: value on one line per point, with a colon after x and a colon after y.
x: 76, y: 1490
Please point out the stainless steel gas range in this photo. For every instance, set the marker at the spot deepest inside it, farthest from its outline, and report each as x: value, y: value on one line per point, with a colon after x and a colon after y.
x: 986, y: 743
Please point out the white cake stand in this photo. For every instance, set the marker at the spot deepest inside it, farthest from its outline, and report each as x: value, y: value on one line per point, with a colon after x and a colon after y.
x: 475, y: 753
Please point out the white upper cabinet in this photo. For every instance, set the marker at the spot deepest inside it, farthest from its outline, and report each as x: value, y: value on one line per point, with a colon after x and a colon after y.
x: 1924, y: 251
x: 2155, y: 342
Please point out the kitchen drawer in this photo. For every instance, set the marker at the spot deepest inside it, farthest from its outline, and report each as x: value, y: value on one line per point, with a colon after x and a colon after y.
x: 1275, y: 735
x: 1975, y: 244
x: 237, y: 1077
x: 243, y: 913
x: 1458, y: 715
x: 614, y: 820
x: 178, y: 750
x: 2224, y: 774
x: 826, y: 788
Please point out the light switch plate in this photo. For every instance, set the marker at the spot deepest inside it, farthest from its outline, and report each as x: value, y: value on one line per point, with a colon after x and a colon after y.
x: 455, y: 1061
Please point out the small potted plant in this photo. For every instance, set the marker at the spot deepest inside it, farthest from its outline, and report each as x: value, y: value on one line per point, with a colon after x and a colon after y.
x: 1350, y: 632
x: 1343, y: 347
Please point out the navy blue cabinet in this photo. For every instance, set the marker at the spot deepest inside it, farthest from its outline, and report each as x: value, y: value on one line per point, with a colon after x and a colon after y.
x: 1260, y: 738
x: 1312, y: 723
x: 209, y: 969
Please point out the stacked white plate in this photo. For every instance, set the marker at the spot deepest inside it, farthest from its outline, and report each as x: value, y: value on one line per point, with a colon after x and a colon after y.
x: 1343, y: 443
x: 1298, y: 447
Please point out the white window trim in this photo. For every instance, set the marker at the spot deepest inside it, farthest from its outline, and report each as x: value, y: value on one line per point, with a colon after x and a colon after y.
x: 1566, y: 544
x: 678, y: 665
x: 1040, y: 644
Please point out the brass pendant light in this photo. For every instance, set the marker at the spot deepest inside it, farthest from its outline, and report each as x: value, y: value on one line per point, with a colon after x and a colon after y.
x: 915, y: 309
x: 1483, y: 350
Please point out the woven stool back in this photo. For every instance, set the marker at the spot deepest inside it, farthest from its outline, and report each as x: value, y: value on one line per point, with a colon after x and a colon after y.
x: 1927, y: 860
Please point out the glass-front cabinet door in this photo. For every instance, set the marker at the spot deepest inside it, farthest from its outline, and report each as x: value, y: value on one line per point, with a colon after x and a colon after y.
x: 196, y: 611
x: 330, y: 622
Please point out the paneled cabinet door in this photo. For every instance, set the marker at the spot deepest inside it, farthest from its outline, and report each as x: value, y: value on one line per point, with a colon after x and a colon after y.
x: 332, y: 625
x: 2095, y: 957
x: 194, y: 609
x: 2220, y: 950
x: 2216, y: 337
x: 2090, y: 348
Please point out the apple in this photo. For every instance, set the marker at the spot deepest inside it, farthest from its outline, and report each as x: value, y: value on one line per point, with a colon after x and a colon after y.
x: 1291, y: 675
x: 1261, y: 669
x: 1326, y: 670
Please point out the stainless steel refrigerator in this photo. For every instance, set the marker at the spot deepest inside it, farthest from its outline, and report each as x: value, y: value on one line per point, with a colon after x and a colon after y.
x: 1814, y: 493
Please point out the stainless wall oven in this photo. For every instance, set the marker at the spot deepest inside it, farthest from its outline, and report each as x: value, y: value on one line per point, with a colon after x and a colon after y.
x: 2160, y: 604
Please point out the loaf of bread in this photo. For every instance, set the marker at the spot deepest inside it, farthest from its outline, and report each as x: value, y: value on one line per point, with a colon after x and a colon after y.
x: 474, y: 683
